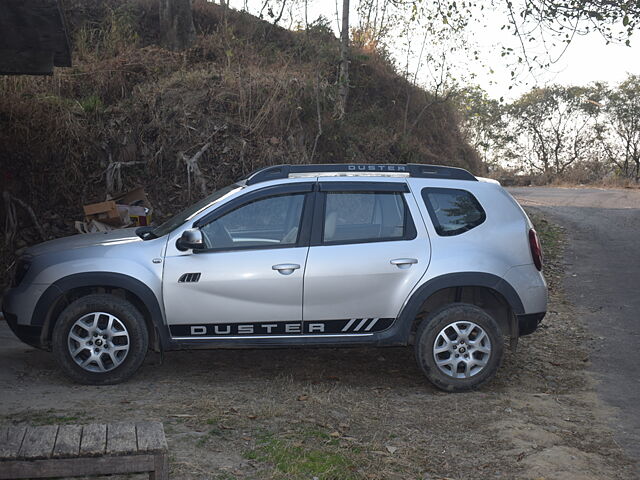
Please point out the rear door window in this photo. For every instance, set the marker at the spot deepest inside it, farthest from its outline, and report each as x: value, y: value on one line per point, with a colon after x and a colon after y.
x: 452, y: 211
x: 357, y: 217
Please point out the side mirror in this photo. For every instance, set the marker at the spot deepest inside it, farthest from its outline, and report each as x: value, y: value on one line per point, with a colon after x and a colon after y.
x: 191, y: 239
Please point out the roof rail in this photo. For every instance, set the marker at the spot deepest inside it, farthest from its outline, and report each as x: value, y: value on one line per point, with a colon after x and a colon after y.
x: 412, y: 169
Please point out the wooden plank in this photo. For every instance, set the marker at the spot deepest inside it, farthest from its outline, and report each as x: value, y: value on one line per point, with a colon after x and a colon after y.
x: 121, y: 438
x: 151, y: 437
x: 74, y: 467
x: 161, y: 471
x: 38, y: 442
x: 108, y: 207
x: 11, y: 441
x: 94, y: 440
x: 68, y: 441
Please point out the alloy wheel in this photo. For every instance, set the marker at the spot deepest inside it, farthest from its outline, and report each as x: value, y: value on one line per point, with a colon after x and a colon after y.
x: 462, y: 349
x: 98, y: 342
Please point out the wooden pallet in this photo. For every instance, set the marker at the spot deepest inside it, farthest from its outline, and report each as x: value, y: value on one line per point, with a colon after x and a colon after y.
x: 78, y: 450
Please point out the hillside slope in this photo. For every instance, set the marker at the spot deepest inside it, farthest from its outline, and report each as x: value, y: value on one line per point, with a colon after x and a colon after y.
x: 252, y: 94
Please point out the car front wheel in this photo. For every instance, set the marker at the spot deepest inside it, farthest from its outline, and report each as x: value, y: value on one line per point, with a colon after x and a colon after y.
x: 100, y: 339
x: 459, y: 347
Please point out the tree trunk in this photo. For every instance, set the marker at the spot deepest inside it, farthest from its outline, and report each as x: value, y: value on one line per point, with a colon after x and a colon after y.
x: 176, y: 24
x: 279, y: 17
x: 343, y: 81
x: 306, y: 17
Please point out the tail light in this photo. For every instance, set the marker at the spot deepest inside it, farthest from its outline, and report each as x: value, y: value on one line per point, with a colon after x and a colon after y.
x: 536, y: 250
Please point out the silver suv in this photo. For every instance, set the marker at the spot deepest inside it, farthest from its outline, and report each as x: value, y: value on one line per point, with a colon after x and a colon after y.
x: 313, y: 255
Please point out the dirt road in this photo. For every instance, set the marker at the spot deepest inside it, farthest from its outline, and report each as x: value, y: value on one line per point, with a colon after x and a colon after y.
x: 603, y: 280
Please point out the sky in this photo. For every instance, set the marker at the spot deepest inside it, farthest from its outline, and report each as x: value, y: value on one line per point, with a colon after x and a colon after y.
x: 588, y: 58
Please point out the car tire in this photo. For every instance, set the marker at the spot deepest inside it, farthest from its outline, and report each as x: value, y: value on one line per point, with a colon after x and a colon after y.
x: 463, y: 330
x: 100, y: 339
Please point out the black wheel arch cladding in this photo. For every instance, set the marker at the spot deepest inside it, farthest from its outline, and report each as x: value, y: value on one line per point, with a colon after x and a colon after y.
x: 449, y: 280
x: 54, y: 293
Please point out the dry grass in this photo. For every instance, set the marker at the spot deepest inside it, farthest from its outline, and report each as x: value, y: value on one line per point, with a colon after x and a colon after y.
x: 608, y: 182
x: 592, y: 174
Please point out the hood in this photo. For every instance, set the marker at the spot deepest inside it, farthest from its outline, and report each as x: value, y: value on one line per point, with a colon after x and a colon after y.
x: 114, y: 237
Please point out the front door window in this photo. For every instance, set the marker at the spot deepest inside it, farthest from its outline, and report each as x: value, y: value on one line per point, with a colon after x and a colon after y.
x: 267, y: 222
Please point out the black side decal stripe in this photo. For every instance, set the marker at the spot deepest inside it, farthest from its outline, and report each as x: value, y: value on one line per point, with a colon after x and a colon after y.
x: 328, y: 327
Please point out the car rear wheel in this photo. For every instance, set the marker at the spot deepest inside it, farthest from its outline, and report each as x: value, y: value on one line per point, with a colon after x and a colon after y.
x: 459, y: 347
x: 100, y: 340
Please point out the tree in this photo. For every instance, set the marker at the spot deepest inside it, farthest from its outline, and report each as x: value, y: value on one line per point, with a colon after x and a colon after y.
x: 343, y: 79
x: 614, y: 19
x: 483, y: 125
x: 544, y: 29
x: 552, y: 127
x: 176, y: 24
x: 272, y: 9
x: 619, y: 131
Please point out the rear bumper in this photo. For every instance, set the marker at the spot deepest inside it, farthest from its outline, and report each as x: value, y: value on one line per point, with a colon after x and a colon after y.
x: 528, y: 323
x: 530, y: 286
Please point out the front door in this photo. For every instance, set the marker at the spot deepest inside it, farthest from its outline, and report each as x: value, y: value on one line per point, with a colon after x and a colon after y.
x: 248, y: 280
x: 365, y: 258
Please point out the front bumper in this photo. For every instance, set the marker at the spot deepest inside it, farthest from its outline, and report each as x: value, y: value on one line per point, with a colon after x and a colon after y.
x: 26, y: 333
x: 17, y: 307
x: 528, y: 323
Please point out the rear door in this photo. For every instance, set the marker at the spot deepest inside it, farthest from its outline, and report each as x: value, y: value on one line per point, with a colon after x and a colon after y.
x: 369, y: 248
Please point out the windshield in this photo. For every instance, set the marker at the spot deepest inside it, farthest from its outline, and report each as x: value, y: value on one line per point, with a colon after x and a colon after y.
x: 177, y: 220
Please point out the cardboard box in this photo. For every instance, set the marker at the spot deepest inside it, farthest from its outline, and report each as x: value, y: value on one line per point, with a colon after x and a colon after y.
x: 136, y: 206
x: 129, y: 209
x: 105, y: 212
